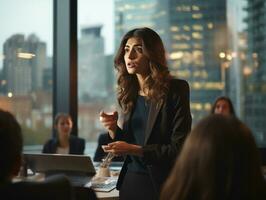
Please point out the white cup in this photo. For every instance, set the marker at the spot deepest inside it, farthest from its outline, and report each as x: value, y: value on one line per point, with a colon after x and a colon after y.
x: 103, y: 172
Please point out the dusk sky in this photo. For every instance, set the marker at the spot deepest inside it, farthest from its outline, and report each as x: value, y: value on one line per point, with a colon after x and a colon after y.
x: 36, y: 16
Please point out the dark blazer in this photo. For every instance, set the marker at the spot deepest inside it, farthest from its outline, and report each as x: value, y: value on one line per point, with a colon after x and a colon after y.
x: 53, y: 188
x: 104, y: 139
x: 168, y: 124
x: 76, y: 145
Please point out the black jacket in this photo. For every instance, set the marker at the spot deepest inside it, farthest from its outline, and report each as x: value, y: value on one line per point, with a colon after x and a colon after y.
x: 76, y: 145
x: 168, y: 124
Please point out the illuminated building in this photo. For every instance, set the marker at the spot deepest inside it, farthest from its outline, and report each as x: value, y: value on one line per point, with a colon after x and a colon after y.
x: 255, y: 108
x: 194, y: 33
x: 23, y: 65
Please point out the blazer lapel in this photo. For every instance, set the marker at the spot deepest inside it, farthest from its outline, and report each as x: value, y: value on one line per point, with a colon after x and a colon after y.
x: 153, y: 113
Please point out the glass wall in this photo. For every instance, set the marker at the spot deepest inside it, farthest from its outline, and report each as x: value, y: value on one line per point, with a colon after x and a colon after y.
x: 26, y: 51
x: 96, y: 89
x: 217, y: 46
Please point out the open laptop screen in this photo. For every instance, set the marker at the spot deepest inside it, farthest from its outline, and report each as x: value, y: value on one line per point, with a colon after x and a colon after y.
x: 54, y: 163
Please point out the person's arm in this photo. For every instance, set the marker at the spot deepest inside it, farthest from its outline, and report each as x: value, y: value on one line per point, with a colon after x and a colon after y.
x: 120, y: 148
x: 109, y: 121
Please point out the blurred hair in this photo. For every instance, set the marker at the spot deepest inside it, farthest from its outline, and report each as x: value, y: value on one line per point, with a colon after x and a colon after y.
x: 61, y: 115
x: 220, y: 161
x: 157, y: 82
x: 228, y: 100
x: 11, y: 144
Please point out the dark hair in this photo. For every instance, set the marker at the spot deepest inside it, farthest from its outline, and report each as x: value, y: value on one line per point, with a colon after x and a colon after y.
x: 157, y: 82
x: 220, y: 161
x: 228, y: 100
x: 11, y: 144
x: 60, y: 115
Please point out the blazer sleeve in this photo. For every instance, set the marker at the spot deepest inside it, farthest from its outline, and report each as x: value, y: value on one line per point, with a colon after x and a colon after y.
x: 48, y: 147
x: 180, y: 125
x: 80, y: 146
x: 77, y: 145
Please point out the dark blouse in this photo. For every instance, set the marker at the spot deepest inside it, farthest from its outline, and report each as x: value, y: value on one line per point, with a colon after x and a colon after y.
x: 138, y: 126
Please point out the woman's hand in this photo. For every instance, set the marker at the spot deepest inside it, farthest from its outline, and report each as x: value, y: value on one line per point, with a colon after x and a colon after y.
x: 120, y: 148
x: 109, y: 121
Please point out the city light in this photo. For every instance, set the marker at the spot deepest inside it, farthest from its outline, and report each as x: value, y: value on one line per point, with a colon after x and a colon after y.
x: 3, y: 82
x: 222, y: 55
x: 2, y: 57
x: 176, y: 55
x: 25, y: 55
x: 10, y: 94
x: 247, y: 71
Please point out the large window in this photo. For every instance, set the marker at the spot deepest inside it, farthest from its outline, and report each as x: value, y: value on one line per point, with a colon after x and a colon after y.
x: 95, y: 67
x: 218, y: 47
x: 231, y: 42
x: 26, y: 52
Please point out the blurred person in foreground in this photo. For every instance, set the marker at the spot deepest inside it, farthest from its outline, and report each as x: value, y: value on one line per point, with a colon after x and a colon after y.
x: 219, y: 161
x: 11, y: 143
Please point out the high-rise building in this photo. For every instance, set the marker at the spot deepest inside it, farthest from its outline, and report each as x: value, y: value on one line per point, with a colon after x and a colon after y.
x: 39, y: 62
x: 256, y: 84
x: 194, y: 34
x: 92, y: 64
x: 23, y: 65
x: 130, y: 14
x: 48, y: 75
x: 236, y: 54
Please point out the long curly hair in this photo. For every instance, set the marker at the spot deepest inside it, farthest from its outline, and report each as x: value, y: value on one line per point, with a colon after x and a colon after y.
x: 156, y: 84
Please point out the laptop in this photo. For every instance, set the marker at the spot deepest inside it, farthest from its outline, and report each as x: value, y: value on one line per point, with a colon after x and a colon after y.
x: 78, y: 168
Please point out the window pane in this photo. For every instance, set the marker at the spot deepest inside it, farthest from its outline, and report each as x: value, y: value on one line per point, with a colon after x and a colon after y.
x: 218, y: 46
x: 26, y: 66
x: 95, y: 67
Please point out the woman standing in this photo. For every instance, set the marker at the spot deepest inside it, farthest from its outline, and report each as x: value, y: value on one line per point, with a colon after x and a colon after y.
x: 156, y: 117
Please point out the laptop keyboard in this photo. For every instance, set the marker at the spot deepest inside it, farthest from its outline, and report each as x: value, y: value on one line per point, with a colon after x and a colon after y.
x: 103, y: 184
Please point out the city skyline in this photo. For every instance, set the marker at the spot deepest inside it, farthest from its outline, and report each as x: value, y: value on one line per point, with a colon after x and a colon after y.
x: 43, y: 27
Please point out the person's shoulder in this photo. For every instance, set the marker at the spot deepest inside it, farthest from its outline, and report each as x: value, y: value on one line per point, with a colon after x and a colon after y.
x: 50, y: 141
x: 77, y: 139
x: 103, y: 138
x: 174, y: 82
x: 178, y: 85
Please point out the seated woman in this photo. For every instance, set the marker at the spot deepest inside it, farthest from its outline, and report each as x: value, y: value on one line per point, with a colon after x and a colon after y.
x: 220, y: 161
x: 223, y: 105
x: 64, y: 142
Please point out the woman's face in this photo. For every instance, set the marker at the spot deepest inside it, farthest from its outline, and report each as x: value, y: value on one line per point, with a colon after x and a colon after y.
x: 135, y: 60
x: 64, y: 126
x: 222, y: 107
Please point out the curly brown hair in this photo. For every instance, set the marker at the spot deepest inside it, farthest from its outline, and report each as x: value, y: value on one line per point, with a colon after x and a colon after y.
x: 156, y: 83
